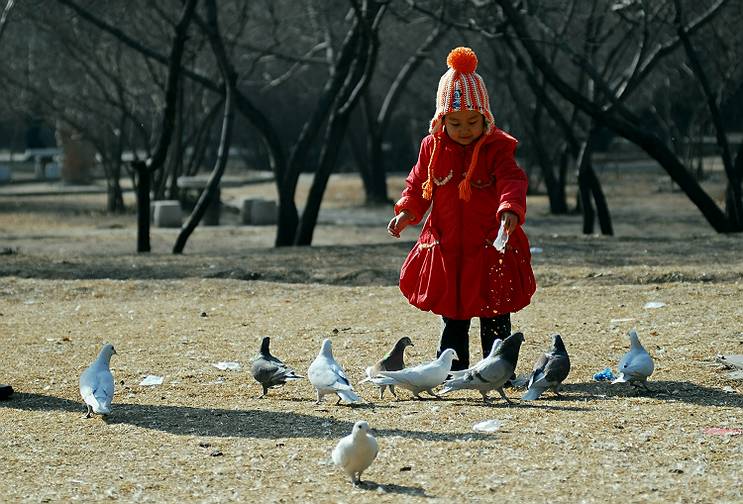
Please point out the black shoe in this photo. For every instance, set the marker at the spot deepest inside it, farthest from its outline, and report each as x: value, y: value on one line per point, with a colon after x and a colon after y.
x: 6, y: 391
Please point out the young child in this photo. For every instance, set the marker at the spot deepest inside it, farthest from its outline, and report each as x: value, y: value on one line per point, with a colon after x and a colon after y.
x: 467, y: 174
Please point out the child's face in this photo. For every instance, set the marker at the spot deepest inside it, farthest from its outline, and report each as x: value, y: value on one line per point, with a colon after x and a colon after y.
x: 464, y: 126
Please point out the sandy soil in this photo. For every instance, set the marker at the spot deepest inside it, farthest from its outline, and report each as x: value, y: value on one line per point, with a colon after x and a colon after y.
x: 74, y: 282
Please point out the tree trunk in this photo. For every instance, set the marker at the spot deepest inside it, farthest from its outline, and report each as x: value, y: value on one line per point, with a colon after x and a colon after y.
x: 355, y: 83
x: 143, y: 175
x: 230, y: 78
x: 584, y: 187
x: 157, y: 160
x: 298, y: 158
x: 590, y: 192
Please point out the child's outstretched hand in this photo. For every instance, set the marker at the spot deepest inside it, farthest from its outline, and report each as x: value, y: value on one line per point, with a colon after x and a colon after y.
x: 509, y: 221
x: 398, y: 223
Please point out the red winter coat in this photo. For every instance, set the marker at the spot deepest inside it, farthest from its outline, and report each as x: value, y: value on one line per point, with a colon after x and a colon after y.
x: 453, y: 270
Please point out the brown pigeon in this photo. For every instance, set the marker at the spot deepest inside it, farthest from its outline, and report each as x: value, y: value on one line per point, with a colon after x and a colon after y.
x: 392, y: 361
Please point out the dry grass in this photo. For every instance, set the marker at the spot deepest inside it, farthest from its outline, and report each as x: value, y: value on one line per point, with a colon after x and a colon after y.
x: 203, y: 436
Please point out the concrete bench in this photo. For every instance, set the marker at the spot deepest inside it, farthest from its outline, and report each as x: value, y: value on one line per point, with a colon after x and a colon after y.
x: 258, y: 212
x: 41, y: 158
x: 167, y: 213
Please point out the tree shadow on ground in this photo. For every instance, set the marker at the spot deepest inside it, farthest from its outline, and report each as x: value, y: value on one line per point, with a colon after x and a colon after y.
x: 190, y: 421
x: 665, y: 390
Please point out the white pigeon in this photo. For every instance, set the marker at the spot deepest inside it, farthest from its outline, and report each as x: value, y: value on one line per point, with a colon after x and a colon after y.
x: 491, y: 373
x: 97, y: 383
x: 423, y: 377
x: 636, y: 365
x: 355, y: 452
x: 328, y: 377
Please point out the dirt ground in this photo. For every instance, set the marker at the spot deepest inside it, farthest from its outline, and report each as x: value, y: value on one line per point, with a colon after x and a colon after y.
x: 70, y: 280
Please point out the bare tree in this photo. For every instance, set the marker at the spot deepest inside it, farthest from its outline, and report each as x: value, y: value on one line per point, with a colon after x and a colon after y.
x: 229, y: 77
x: 610, y: 109
x: 146, y: 168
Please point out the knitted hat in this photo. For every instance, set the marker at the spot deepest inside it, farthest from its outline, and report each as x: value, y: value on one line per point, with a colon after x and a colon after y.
x: 460, y: 88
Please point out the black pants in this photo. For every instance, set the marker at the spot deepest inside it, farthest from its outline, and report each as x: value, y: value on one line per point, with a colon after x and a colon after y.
x: 455, y: 334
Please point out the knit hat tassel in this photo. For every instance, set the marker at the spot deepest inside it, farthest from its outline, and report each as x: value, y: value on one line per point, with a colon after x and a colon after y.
x: 428, y: 184
x: 465, y: 188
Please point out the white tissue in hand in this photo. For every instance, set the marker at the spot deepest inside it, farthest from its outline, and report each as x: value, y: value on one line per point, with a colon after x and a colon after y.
x: 501, y: 240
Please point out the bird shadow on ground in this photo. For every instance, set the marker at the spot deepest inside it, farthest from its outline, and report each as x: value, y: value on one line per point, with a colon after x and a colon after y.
x: 190, y: 421
x: 665, y: 390
x: 391, y: 488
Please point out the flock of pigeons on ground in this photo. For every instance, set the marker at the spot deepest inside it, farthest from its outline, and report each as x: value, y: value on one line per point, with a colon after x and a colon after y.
x: 355, y: 452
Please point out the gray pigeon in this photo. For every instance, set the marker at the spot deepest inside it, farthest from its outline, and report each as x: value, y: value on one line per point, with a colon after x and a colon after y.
x: 97, y: 383
x: 423, y: 377
x: 492, y: 372
x: 270, y: 371
x: 549, y: 371
x: 328, y: 377
x: 636, y: 365
x: 355, y: 452
x: 392, y: 361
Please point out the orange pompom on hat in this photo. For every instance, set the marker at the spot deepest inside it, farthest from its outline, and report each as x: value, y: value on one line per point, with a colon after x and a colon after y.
x: 461, y: 88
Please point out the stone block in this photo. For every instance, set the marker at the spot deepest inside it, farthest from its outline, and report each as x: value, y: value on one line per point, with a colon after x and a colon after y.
x: 258, y: 212
x: 167, y: 213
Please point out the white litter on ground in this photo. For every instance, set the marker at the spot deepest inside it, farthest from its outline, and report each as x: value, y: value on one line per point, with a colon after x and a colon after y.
x: 224, y: 366
x: 488, y: 426
x: 151, y: 380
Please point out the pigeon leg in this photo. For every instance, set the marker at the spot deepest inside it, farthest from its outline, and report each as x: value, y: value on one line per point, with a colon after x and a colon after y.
x: 556, y: 390
x: 485, y: 397
x: 504, y: 396
x: 392, y: 389
x: 381, y: 391
x: 432, y: 393
x: 89, y: 412
x: 265, y: 391
x: 319, y: 398
x: 338, y: 401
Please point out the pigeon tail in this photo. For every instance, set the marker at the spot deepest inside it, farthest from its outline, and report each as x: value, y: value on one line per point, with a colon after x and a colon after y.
x: 533, y: 394
x: 383, y: 380
x: 100, y: 403
x: 348, y: 396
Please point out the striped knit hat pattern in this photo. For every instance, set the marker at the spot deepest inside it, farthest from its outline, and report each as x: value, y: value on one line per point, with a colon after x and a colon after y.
x: 461, y: 88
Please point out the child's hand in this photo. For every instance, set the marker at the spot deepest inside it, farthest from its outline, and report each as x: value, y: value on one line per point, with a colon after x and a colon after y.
x: 398, y: 223
x: 509, y: 221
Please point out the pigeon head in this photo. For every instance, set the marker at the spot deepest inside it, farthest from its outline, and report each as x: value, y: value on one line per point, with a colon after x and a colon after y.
x: 264, y: 345
x: 494, y: 349
x: 634, y: 339
x: 106, y: 352
x: 360, y: 427
x: 327, y: 347
x: 558, y: 346
x: 448, y: 355
x: 404, y: 342
x: 510, y: 347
